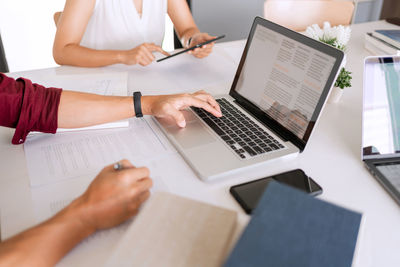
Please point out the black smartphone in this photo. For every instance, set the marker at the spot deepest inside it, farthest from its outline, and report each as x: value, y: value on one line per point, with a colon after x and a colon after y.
x: 191, y: 48
x: 248, y: 194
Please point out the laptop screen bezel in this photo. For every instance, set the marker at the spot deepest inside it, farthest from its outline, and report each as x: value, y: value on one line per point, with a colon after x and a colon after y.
x: 365, y: 153
x: 274, y: 125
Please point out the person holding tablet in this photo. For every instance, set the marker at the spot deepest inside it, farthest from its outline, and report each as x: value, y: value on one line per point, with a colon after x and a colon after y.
x: 95, y: 33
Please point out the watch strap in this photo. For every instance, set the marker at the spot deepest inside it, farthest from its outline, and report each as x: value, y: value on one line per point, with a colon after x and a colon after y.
x: 137, y: 104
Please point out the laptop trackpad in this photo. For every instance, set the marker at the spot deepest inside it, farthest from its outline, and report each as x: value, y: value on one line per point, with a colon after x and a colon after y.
x: 193, y: 135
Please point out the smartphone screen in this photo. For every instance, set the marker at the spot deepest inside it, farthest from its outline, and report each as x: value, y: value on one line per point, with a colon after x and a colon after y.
x: 248, y: 194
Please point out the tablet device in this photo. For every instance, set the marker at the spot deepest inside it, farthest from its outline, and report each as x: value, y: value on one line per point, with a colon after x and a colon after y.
x: 248, y: 194
x: 191, y: 48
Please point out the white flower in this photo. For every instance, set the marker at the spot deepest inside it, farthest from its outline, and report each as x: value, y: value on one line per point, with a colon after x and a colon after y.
x: 343, y: 35
x: 314, y: 31
x: 340, y: 33
x: 329, y: 32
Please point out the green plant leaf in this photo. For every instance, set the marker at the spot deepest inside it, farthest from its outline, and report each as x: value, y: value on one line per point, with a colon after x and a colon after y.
x: 344, y: 79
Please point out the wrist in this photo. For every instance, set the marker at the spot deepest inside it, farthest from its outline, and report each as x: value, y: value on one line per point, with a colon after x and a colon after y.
x: 187, y: 38
x: 77, y: 213
x: 120, y: 57
x: 184, y: 40
x: 194, y: 36
x: 189, y: 41
x: 147, y: 105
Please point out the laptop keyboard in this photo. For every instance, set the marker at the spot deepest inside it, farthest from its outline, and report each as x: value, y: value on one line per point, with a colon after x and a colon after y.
x: 392, y: 173
x: 239, y: 132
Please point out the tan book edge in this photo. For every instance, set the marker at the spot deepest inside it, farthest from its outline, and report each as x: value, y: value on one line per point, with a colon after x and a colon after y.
x: 379, y: 47
x: 386, y: 39
x: 175, y: 231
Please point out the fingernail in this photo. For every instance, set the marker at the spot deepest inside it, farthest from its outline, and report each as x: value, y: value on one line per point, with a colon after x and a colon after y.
x: 182, y: 124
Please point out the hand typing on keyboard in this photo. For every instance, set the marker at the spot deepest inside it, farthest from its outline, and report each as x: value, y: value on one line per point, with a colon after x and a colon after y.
x: 241, y: 134
x: 164, y: 106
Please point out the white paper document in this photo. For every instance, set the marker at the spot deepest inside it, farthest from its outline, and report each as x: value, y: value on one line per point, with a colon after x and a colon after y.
x: 114, y: 124
x: 53, y: 158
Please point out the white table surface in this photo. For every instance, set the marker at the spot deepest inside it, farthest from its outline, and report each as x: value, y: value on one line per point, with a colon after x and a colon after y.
x: 332, y: 157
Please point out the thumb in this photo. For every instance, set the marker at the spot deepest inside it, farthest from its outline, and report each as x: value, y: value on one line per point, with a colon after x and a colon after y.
x: 211, y: 36
x: 178, y: 117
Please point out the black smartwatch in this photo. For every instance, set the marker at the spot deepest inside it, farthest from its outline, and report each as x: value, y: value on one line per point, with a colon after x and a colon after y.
x: 137, y: 104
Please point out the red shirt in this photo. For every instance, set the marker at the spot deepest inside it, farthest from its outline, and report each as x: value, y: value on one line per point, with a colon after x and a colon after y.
x: 27, y: 107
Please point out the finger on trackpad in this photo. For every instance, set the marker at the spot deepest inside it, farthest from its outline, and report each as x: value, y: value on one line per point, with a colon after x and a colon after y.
x: 193, y: 135
x: 170, y: 122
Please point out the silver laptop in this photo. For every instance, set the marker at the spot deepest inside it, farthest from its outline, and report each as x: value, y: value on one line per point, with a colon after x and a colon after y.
x: 278, y: 92
x: 381, y: 121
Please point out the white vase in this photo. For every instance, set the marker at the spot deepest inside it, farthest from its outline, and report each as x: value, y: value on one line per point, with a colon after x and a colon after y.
x: 335, y: 95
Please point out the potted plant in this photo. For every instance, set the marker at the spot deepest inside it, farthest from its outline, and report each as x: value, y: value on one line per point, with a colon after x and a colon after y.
x: 342, y: 81
x: 337, y: 37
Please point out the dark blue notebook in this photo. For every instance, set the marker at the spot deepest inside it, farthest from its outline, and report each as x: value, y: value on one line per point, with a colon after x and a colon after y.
x: 291, y: 228
x: 390, y: 36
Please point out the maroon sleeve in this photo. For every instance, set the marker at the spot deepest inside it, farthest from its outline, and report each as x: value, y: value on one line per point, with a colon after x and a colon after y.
x: 27, y: 107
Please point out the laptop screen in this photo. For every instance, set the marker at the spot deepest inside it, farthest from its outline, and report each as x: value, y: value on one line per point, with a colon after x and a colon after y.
x: 287, y: 76
x: 285, y: 80
x: 381, y: 107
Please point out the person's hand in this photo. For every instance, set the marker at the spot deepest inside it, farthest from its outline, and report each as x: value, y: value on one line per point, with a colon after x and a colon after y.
x: 165, y: 106
x: 114, y: 196
x: 204, y: 50
x: 142, y: 54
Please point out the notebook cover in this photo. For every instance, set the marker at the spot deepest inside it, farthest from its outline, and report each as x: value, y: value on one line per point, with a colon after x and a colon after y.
x: 390, y: 36
x: 173, y: 231
x: 291, y: 228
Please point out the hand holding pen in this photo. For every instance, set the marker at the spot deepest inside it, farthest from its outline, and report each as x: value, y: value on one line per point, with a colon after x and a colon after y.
x: 115, y: 195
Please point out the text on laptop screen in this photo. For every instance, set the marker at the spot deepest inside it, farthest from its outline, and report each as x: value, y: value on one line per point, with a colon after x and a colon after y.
x: 284, y: 78
x: 381, y: 106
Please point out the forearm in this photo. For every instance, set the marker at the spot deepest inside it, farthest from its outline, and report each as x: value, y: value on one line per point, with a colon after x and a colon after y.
x: 76, y: 55
x: 181, y: 16
x: 82, y: 109
x: 47, y: 243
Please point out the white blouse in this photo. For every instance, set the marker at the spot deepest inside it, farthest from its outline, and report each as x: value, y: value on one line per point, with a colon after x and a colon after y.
x: 116, y: 24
